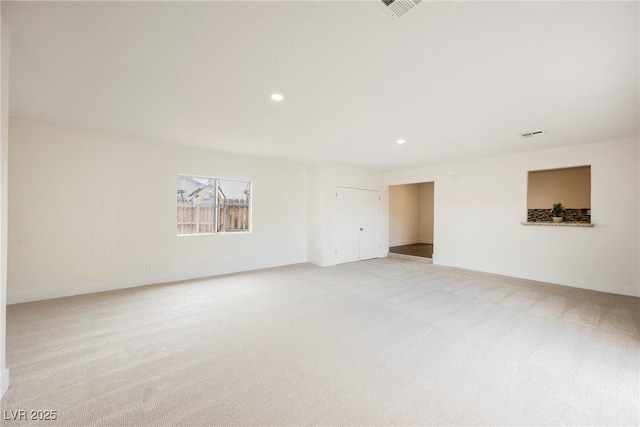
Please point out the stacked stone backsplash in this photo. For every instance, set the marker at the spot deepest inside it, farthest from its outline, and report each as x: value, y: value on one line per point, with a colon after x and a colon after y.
x: 569, y: 215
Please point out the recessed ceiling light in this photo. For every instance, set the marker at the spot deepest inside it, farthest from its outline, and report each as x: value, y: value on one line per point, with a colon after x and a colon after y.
x: 277, y: 97
x: 401, y: 141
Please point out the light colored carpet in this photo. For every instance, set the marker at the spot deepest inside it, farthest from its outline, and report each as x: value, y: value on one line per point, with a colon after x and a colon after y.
x: 381, y: 342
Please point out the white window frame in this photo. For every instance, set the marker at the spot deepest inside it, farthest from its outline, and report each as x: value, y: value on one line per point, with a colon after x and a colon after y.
x: 216, y: 210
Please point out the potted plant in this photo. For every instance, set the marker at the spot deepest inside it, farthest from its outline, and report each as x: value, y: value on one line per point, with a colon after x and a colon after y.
x: 557, y: 212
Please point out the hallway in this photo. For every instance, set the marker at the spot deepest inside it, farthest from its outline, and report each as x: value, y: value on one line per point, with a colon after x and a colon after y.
x: 418, y: 249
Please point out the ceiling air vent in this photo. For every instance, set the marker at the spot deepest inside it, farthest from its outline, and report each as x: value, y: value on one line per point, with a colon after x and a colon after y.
x: 397, y: 8
x: 532, y: 134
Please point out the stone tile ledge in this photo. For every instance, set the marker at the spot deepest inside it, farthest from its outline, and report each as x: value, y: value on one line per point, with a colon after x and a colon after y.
x: 561, y: 224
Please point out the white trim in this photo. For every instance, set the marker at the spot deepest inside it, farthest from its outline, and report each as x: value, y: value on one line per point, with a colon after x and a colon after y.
x: 44, y: 294
x: 4, y: 382
x: 249, y: 201
x: 357, y: 188
x: 608, y: 288
x: 410, y: 242
x: 404, y: 242
x: 617, y: 290
x: 216, y: 233
x: 411, y: 257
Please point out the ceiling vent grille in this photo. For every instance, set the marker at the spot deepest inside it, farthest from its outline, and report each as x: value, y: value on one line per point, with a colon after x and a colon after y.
x: 397, y: 8
x: 532, y: 134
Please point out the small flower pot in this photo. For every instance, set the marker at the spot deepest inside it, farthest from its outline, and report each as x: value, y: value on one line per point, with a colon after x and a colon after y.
x: 557, y: 219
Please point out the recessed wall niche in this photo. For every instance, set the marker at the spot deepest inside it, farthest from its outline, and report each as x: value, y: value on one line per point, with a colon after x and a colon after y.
x: 569, y: 186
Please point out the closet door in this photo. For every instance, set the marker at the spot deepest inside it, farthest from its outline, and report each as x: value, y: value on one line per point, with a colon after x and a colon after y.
x: 357, y: 231
x: 369, y: 218
x: 347, y: 232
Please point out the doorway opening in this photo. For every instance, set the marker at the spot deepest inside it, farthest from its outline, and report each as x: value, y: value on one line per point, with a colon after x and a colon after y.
x: 411, y: 208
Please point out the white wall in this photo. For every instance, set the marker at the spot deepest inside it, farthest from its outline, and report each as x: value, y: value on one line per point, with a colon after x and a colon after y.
x: 404, y: 215
x: 425, y: 232
x: 4, y: 144
x: 323, y: 180
x: 479, y: 207
x: 89, y: 211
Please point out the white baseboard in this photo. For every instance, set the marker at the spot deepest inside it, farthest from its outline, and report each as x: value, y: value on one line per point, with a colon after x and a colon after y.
x: 4, y: 382
x: 410, y: 242
x: 609, y: 289
x: 413, y: 258
x: 112, y: 285
x: 69, y: 291
x: 404, y: 242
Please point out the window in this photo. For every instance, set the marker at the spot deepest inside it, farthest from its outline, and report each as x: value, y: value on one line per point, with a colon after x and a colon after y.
x: 211, y: 205
x: 570, y: 187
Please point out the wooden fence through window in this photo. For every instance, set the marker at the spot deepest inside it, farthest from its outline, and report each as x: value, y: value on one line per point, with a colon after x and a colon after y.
x: 233, y: 215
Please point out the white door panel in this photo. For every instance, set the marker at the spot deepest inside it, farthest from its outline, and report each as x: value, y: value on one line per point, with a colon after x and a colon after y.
x: 369, y: 224
x: 357, y: 232
x: 346, y: 232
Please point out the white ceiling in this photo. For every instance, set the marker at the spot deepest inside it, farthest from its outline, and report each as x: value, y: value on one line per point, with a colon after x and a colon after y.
x: 456, y: 80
